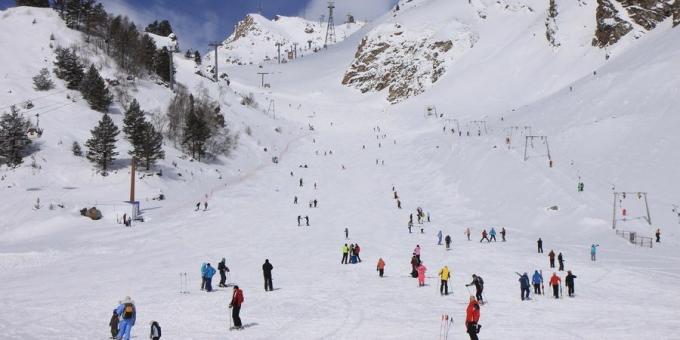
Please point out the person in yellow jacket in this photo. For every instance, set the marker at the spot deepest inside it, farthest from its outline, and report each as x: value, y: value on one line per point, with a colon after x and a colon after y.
x: 345, y: 254
x: 444, y: 275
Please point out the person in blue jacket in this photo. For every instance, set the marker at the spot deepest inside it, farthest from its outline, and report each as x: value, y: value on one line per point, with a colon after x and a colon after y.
x: 537, y: 279
x: 204, y: 266
x: 128, y: 314
x: 593, y: 251
x: 209, y: 273
x: 492, y: 235
x: 524, y: 285
x: 439, y: 238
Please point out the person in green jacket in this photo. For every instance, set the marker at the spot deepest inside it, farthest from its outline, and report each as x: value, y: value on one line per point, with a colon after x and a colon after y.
x: 345, y: 254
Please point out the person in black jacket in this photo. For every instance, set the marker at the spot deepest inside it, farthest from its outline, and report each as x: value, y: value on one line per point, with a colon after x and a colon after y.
x: 479, y: 286
x: 560, y: 260
x: 570, y: 283
x: 267, y: 271
x: 222, y: 267
x: 155, y: 333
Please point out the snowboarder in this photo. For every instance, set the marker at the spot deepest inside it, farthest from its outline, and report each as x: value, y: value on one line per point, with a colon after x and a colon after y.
x: 204, y: 267
x: 551, y: 256
x: 114, y: 325
x: 658, y: 235
x: 416, y: 251
x: 299, y: 219
x: 307, y: 220
x: 345, y: 254
x: 503, y: 233
x: 540, y: 245
x: 537, y: 279
x: 421, y: 275
x: 222, y: 268
x: 209, y: 273
x: 479, y: 286
x: 484, y: 237
x: 569, y: 281
x: 235, y: 305
x: 560, y: 260
x: 128, y: 314
x: 447, y: 240
x: 472, y: 318
x: 381, y: 267
x: 524, y: 286
x: 155, y: 333
x: 492, y: 233
x: 439, y: 238
x: 467, y: 233
x: 555, y: 284
x: 267, y: 271
x: 593, y: 251
x: 346, y: 233
x: 444, y: 275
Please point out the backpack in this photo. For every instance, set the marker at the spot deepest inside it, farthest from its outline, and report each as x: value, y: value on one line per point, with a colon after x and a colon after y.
x: 128, y: 311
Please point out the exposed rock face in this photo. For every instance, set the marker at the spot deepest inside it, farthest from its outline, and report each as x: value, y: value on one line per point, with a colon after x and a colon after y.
x: 243, y: 28
x: 610, y: 26
x: 551, y: 25
x: 675, y: 7
x: 647, y: 13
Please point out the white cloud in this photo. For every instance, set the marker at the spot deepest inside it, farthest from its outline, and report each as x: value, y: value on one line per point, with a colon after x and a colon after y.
x: 360, y: 9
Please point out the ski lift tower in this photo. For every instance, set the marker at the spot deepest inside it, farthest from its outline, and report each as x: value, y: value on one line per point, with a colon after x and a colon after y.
x: 172, y: 47
x: 330, y: 29
x: 215, y: 44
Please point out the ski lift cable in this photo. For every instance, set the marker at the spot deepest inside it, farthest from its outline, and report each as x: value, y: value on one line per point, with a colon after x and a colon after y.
x: 32, y: 99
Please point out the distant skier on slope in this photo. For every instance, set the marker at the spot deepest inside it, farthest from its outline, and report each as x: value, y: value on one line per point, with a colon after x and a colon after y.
x: 447, y: 240
x: 492, y: 233
x: 127, y: 312
x: 307, y: 220
x: 439, y: 238
x: 524, y: 286
x: 113, y: 323
x: 381, y: 267
x: 346, y: 233
x: 235, y: 305
x: 658, y: 235
x: 209, y: 273
x: 551, y: 256
x: 421, y: 274
x: 569, y: 282
x: 503, y: 232
x: 484, y: 237
x: 204, y: 267
x: 555, y: 284
x: 299, y: 218
x: 537, y: 279
x: 267, y: 272
x: 155, y: 332
x: 472, y: 315
x: 345, y: 254
x: 478, y: 282
x: 414, y: 266
x: 560, y: 260
x: 222, y: 268
x: 593, y: 251
x: 540, y: 245
x: 467, y: 233
x: 416, y: 251
x: 444, y: 276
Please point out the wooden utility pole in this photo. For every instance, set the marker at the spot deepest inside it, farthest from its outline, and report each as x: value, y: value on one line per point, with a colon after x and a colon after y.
x: 215, y: 44
x: 132, y: 180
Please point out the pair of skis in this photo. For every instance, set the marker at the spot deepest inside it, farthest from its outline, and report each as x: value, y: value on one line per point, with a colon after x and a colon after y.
x: 444, y: 327
x: 183, y: 283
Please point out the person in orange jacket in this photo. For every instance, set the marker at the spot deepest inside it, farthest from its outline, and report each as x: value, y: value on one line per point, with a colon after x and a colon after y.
x: 555, y: 282
x: 381, y: 267
x: 472, y: 318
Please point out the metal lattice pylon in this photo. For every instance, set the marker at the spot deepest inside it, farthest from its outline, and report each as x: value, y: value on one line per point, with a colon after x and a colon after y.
x: 330, y: 29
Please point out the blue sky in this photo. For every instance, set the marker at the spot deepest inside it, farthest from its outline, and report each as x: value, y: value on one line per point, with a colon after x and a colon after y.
x: 197, y: 22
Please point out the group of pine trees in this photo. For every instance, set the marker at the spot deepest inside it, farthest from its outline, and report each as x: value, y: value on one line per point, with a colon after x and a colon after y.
x: 33, y: 3
x: 162, y: 28
x: 69, y: 68
x: 14, y: 143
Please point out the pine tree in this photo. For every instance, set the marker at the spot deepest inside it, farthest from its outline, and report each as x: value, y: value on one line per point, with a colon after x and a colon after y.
x: 95, y: 92
x: 196, y: 131
x: 33, y: 3
x: 42, y: 81
x: 77, y: 151
x: 162, y: 64
x: 68, y: 67
x: 147, y: 52
x: 13, y: 139
x: 197, y: 58
x: 101, y: 147
x: 134, y: 118
x: 147, y: 145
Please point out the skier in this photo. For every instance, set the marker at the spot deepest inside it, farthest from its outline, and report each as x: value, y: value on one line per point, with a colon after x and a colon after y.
x: 352, y: 255
x: 114, y: 325
x: 658, y: 235
x: 267, y: 271
x: 479, y: 286
x: 198, y: 206
x: 235, y: 305
x: 503, y: 233
x: 444, y: 275
x: 299, y: 218
x: 540, y: 245
x: 472, y: 318
x: 484, y: 237
x: 381, y: 267
x: 398, y: 204
x: 569, y: 281
x: 421, y: 275
x: 524, y: 286
x: 428, y: 217
x: 492, y: 233
x: 537, y: 279
x: 560, y: 260
x: 209, y: 273
x: 593, y: 251
x: 307, y: 220
x: 222, y: 268
x: 345, y: 253
x: 467, y: 233
x: 315, y: 202
x: 128, y: 314
x: 555, y: 283
x: 551, y: 256
x: 356, y: 252
x: 447, y: 240
x: 439, y: 238
x: 414, y: 266
x: 205, y: 205
x: 155, y: 333
x: 410, y: 225
x: 416, y: 251
x: 300, y: 182
x: 295, y: 200
x: 346, y: 233
x: 396, y: 196
x: 204, y: 267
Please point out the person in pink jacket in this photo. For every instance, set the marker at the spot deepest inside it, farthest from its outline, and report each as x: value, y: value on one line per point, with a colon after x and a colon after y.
x: 421, y: 275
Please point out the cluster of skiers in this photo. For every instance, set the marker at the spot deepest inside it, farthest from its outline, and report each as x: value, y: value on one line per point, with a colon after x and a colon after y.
x: 491, y: 235
x: 350, y: 254
x: 123, y: 319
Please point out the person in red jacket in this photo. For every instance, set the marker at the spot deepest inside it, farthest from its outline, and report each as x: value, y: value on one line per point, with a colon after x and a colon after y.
x: 555, y: 283
x: 235, y: 305
x: 472, y: 318
x: 484, y: 237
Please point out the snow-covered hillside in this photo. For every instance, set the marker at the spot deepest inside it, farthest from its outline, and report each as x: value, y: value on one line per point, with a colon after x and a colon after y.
x: 609, y: 121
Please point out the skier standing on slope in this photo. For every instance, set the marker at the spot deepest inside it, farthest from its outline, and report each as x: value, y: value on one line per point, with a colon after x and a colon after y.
x: 300, y: 182
x: 222, y: 268
x: 204, y: 267
x: 416, y: 251
x: 537, y: 279
x: 658, y: 235
x: 484, y: 236
x: 414, y: 266
x: 209, y: 273
x: 560, y: 260
x: 447, y: 240
x: 555, y: 284
x: 128, y: 313
x: 155, y: 333
x: 346, y: 233
x: 267, y: 271
x: 479, y: 286
x: 114, y: 325
x: 381, y: 267
x: 421, y: 275
x: 299, y: 219
x: 356, y: 252
x: 345, y: 254
x: 524, y: 286
x: 439, y: 238
x: 444, y: 275
x: 551, y: 256
x: 503, y: 233
x: 472, y: 318
x: 467, y: 233
x: 307, y: 220
x: 235, y: 305
x: 492, y: 233
x: 540, y: 245
x: 593, y: 251
x: 569, y: 281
